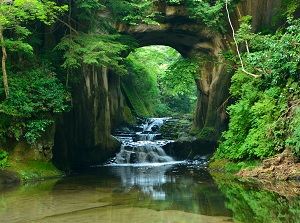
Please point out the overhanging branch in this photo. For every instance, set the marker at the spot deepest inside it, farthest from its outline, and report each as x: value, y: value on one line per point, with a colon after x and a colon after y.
x: 236, y: 45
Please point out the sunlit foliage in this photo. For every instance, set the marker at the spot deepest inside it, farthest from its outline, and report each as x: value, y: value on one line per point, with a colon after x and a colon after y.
x: 163, y: 79
x: 36, y: 95
x: 264, y: 119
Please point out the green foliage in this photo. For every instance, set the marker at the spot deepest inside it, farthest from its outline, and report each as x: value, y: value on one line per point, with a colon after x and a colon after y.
x: 181, y: 103
x: 147, y: 77
x: 255, y: 128
x: 140, y: 87
x: 86, y: 16
x: 27, y: 175
x: 260, y: 118
x: 231, y: 167
x: 270, y: 51
x: 287, y: 9
x: 15, y: 14
x: 244, y: 32
x: 293, y: 141
x: 95, y: 49
x: 35, y: 94
x: 34, y: 129
x: 211, y: 12
x: 134, y: 12
x: 88, y: 9
x: 180, y: 77
x: 4, y: 159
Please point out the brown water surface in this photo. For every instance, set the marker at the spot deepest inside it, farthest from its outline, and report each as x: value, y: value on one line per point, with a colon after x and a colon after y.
x: 172, y: 193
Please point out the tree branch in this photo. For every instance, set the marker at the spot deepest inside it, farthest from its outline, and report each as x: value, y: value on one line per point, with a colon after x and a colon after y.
x: 224, y: 103
x: 70, y: 27
x: 3, y: 63
x: 236, y: 44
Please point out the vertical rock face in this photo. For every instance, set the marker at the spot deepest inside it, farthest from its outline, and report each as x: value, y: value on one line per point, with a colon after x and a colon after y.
x: 262, y: 11
x: 215, y: 80
x: 83, y: 135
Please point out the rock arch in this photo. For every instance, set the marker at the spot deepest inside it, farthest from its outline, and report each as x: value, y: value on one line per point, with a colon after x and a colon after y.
x: 189, y: 37
x: 83, y: 135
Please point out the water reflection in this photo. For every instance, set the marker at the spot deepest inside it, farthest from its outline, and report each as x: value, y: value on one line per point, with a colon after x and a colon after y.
x: 166, y: 193
x: 150, y: 179
x: 168, y: 187
x: 252, y: 202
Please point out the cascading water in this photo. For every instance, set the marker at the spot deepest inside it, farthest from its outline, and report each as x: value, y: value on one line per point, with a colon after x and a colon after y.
x: 144, y: 145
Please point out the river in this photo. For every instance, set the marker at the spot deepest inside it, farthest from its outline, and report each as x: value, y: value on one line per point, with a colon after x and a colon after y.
x: 173, y: 193
x: 143, y: 184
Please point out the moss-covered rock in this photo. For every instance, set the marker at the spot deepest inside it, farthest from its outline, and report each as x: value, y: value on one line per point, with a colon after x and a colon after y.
x: 135, y: 101
x: 189, y: 142
x: 128, y: 116
x: 29, y: 162
x: 177, y: 129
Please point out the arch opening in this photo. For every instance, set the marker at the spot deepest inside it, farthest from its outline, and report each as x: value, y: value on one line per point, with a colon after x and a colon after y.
x: 160, y: 82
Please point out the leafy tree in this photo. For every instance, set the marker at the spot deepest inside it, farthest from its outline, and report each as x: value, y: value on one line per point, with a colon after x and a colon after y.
x: 211, y: 12
x: 13, y: 17
x: 134, y: 12
x: 95, y: 49
x: 162, y: 80
x: 180, y: 77
x: 36, y: 96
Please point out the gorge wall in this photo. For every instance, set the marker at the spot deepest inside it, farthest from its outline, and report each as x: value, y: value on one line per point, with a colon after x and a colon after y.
x: 83, y: 135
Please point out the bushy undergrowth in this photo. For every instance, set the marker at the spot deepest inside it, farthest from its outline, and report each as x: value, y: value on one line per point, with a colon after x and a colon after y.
x: 3, y: 159
x: 264, y: 120
x: 36, y: 95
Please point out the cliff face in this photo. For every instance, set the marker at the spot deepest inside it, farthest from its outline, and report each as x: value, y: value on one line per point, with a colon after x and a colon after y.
x: 215, y: 80
x: 83, y: 135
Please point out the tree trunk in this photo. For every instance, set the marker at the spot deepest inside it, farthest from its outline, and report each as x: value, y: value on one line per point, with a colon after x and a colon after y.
x: 4, y: 56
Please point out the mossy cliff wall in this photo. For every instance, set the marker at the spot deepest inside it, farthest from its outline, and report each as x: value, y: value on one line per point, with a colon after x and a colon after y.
x: 83, y: 135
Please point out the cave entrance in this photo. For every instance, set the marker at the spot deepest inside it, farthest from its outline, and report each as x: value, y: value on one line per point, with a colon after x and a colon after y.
x: 160, y: 82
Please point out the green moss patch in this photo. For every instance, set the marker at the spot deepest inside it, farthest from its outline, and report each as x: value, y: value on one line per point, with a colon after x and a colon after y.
x: 34, y: 170
x: 226, y: 165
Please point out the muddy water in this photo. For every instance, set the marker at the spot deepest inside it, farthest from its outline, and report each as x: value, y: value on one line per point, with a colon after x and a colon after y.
x: 176, y: 193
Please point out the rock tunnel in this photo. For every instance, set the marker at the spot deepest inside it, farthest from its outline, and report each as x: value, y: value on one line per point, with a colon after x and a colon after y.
x: 83, y: 136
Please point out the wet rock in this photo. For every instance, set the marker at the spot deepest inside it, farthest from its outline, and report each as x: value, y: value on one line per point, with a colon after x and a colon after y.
x: 281, y: 167
x: 155, y: 128
x: 8, y: 178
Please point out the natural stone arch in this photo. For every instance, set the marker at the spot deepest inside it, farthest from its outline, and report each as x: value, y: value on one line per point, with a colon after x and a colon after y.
x: 189, y: 37
x: 83, y: 135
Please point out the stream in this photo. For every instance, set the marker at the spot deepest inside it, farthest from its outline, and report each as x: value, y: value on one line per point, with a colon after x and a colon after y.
x: 137, y: 187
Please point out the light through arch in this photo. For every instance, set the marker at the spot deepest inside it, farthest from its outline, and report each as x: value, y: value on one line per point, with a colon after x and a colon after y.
x: 159, y: 82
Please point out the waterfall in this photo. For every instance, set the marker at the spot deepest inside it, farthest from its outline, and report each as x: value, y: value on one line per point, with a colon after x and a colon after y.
x: 143, y: 152
x: 144, y: 146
